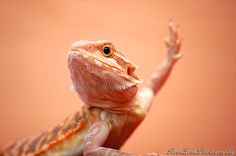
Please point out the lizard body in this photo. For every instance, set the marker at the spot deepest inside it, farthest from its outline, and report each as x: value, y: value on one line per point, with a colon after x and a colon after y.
x: 106, y: 82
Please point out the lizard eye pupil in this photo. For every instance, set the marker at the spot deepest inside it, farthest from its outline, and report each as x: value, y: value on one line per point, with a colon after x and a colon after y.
x: 107, y: 51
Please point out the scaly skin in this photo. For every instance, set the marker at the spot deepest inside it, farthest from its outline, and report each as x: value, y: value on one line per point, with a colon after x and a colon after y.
x: 114, y: 107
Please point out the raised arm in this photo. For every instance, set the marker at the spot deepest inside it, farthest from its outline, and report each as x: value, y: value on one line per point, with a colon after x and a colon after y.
x: 160, y: 75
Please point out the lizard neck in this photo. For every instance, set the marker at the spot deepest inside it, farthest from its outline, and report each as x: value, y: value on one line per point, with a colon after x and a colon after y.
x: 113, y: 107
x: 112, y: 101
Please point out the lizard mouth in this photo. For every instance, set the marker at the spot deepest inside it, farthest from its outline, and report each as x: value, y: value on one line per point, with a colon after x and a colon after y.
x: 128, y: 73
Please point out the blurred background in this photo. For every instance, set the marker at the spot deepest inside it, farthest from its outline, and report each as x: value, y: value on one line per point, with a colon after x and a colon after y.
x: 196, y: 107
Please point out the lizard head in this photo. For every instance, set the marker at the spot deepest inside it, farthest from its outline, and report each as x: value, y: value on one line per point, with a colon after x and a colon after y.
x: 101, y: 75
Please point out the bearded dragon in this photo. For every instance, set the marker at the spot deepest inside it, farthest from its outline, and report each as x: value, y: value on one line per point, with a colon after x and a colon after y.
x: 106, y: 82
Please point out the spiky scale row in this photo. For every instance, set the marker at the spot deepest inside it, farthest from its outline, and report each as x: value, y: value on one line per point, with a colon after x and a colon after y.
x: 47, y: 140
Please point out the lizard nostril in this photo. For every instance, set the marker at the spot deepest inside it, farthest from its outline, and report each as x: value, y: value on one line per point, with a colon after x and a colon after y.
x: 130, y: 70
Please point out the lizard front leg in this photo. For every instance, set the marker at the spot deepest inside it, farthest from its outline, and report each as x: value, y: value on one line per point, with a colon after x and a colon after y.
x: 96, y: 136
x: 159, y: 77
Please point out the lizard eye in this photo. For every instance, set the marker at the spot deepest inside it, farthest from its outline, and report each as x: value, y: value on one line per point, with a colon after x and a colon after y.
x: 107, y: 51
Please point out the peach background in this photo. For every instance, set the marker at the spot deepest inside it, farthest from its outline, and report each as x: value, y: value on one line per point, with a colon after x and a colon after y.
x: 196, y: 107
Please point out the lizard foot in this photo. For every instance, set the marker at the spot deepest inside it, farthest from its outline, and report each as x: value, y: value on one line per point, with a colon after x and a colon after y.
x: 173, y: 42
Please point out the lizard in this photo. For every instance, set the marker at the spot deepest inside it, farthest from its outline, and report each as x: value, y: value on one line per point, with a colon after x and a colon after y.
x: 106, y: 82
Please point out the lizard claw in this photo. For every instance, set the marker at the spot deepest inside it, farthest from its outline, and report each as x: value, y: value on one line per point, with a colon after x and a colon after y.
x: 173, y: 42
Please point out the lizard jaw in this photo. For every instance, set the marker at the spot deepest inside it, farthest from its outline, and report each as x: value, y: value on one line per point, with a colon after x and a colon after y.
x: 129, y: 73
